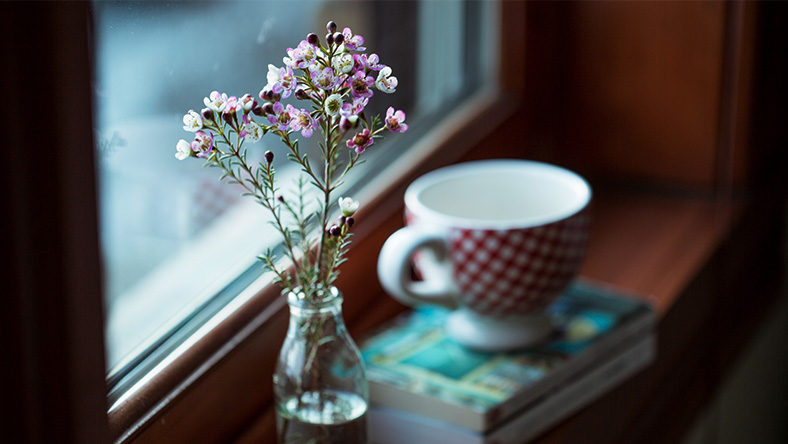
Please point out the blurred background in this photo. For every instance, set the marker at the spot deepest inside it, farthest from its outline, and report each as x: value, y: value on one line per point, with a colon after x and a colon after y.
x: 683, y: 99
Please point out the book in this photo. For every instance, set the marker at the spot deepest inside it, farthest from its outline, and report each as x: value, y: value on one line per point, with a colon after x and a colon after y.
x: 413, y: 366
x: 393, y: 426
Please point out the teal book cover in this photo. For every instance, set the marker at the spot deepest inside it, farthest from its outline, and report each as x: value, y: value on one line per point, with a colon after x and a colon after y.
x: 413, y: 365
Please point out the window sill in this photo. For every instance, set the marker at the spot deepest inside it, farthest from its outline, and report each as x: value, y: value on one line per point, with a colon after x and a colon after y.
x: 685, y: 256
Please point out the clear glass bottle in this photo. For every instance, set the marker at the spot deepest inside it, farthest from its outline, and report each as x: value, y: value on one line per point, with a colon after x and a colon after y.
x: 320, y: 386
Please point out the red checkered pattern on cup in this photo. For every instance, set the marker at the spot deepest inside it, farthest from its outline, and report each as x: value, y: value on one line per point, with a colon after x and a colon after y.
x: 515, y: 272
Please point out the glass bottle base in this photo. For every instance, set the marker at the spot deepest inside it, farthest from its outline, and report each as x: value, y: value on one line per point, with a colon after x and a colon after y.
x: 326, y: 417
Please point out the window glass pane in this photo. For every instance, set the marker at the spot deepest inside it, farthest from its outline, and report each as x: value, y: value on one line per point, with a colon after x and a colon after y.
x: 173, y: 236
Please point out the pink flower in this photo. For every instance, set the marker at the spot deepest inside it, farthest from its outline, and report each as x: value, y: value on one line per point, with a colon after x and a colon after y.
x: 355, y: 108
x: 232, y: 107
x: 373, y: 62
x: 359, y: 63
x: 353, y: 42
x: 394, y: 120
x: 286, y: 83
x: 301, y: 120
x: 360, y: 141
x: 232, y: 102
x: 325, y: 79
x: 360, y: 84
x: 303, y: 56
x: 362, y: 62
x: 280, y: 81
x: 280, y: 117
x: 202, y: 143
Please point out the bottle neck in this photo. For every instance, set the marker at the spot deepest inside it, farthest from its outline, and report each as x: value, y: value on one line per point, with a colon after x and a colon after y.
x: 317, y: 301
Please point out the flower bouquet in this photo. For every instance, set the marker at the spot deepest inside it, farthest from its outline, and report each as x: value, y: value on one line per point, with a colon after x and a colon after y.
x: 319, y: 382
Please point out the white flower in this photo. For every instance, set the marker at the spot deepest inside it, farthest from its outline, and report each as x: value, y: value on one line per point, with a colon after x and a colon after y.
x: 184, y: 150
x: 348, y: 206
x: 216, y: 101
x: 333, y: 104
x: 343, y: 63
x: 192, y: 121
x: 386, y: 82
x: 272, y: 77
x: 253, y: 132
x: 246, y: 102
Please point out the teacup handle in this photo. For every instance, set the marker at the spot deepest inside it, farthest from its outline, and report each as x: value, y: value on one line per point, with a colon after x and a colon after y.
x: 395, y: 273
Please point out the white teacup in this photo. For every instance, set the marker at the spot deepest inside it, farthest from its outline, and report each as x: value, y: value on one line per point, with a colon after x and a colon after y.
x: 496, y: 241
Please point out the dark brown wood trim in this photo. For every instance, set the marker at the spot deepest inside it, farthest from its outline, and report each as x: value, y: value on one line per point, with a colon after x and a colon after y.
x: 730, y: 98
x: 131, y: 415
x: 52, y: 325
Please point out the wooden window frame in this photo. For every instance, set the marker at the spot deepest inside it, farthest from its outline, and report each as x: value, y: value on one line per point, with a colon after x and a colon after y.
x: 52, y: 287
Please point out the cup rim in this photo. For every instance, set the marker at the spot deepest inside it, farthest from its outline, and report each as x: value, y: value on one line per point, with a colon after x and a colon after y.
x: 414, y: 204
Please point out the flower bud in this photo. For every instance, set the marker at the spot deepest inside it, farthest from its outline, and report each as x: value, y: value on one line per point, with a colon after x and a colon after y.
x: 331, y: 27
x: 280, y: 198
x: 267, y: 95
x: 207, y: 114
x: 312, y: 39
x: 339, y: 38
x: 342, y: 219
x: 349, y: 222
x: 301, y: 94
x: 258, y: 110
x: 268, y: 108
x: 269, y: 157
x: 229, y: 116
x: 330, y: 39
x: 335, y: 230
x: 347, y: 123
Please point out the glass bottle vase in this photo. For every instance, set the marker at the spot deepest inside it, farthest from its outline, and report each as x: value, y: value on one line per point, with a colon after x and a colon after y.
x: 320, y: 386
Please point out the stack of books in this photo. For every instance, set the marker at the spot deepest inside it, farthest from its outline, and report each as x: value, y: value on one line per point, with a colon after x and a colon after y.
x: 426, y: 388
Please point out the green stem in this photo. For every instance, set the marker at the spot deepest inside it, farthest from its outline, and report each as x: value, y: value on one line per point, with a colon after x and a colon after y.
x: 261, y: 194
x: 328, y: 157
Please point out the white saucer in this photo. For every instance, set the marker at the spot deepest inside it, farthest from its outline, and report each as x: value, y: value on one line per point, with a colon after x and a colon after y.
x: 482, y: 333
